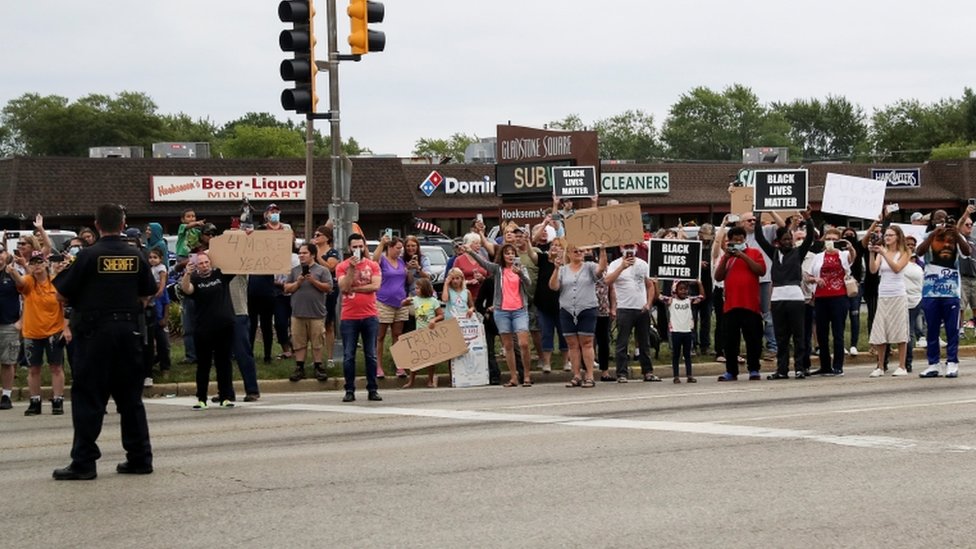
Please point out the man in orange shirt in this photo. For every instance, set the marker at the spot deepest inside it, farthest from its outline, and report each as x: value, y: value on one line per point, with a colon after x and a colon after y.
x: 44, y: 331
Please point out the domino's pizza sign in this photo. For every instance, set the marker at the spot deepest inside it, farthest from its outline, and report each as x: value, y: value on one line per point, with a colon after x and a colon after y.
x: 430, y: 184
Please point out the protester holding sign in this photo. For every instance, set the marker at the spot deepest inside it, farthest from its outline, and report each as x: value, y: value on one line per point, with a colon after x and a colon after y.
x: 787, y: 299
x: 576, y: 283
x: 741, y: 267
x: 510, y: 307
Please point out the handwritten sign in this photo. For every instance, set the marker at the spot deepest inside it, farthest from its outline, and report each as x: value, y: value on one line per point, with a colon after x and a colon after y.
x: 426, y: 347
x: 614, y: 225
x: 261, y: 252
x: 777, y: 190
x: 918, y: 231
x: 471, y: 368
x: 853, y: 196
x: 675, y: 259
x: 573, y: 181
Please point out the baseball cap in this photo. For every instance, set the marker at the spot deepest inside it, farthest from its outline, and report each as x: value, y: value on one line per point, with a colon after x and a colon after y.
x: 272, y: 206
x: 133, y: 232
x: 916, y: 216
x: 36, y: 257
x: 209, y: 229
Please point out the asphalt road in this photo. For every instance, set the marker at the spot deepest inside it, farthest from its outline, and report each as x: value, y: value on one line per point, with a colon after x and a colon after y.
x: 844, y: 462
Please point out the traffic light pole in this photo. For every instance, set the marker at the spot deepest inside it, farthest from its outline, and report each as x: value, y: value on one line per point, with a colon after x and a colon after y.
x: 339, y: 223
x: 309, y: 187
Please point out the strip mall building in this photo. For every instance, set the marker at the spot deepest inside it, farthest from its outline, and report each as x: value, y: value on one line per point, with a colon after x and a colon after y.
x: 392, y: 193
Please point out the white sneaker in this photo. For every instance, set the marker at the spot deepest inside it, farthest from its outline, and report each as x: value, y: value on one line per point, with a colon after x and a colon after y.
x: 952, y: 369
x: 877, y: 373
x: 567, y: 366
x: 942, y: 343
x: 900, y: 372
x: 546, y: 368
x: 934, y: 370
x: 853, y: 350
x: 147, y: 382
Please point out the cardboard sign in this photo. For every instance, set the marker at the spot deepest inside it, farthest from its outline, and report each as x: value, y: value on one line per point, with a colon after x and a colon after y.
x: 741, y: 202
x: 853, y: 196
x: 471, y: 368
x: 574, y: 181
x: 674, y: 259
x: 614, y: 225
x: 777, y: 190
x: 426, y: 347
x: 261, y: 252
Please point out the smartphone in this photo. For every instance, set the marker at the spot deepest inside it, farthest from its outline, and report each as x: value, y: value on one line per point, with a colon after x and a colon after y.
x: 972, y: 202
x: 388, y: 232
x: 357, y: 253
x: 480, y: 218
x: 305, y: 270
x: 891, y: 208
x: 55, y: 258
x: 628, y: 252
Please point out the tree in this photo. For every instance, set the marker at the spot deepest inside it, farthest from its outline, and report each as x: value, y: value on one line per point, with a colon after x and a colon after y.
x: 437, y: 149
x: 953, y: 151
x: 832, y: 129
x: 180, y: 127
x: 706, y: 125
x: 908, y: 130
x: 257, y: 120
x: 571, y: 123
x: 246, y: 141
x: 630, y: 135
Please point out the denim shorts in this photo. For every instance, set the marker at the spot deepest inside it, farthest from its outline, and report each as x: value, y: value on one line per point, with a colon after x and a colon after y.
x: 509, y: 322
x: 583, y: 324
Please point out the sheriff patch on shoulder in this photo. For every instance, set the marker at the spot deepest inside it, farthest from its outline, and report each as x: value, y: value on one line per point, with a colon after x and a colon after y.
x: 109, y: 264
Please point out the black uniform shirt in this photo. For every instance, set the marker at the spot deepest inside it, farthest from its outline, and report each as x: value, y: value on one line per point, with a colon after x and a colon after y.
x: 108, y: 277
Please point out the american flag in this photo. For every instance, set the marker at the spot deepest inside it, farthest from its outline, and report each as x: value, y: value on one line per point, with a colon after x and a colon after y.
x: 426, y: 226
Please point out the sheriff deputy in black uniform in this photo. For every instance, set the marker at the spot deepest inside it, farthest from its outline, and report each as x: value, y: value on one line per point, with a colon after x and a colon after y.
x: 107, y: 285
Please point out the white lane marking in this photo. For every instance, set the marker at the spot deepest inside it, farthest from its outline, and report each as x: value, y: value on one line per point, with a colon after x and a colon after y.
x: 856, y: 410
x: 718, y: 429
x: 626, y: 398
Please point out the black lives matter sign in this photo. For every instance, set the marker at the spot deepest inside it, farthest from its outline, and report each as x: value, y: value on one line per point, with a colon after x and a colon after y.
x: 573, y: 181
x: 778, y: 190
x: 675, y: 259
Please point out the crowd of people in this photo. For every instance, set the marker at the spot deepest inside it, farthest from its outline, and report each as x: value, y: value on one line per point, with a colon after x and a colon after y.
x: 781, y: 289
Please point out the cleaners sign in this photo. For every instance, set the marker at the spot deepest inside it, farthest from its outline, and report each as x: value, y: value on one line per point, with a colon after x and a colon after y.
x: 635, y: 183
x: 675, y: 259
x: 199, y: 188
x: 777, y: 190
x: 573, y: 181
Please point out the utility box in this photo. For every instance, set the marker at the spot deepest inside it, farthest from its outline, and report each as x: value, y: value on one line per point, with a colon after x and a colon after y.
x: 116, y: 152
x: 766, y: 155
x: 181, y: 150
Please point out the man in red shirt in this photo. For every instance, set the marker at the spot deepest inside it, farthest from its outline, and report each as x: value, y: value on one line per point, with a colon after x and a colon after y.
x: 740, y: 267
x: 359, y: 279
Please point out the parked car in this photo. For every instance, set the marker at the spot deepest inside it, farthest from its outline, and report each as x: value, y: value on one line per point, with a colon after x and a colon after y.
x: 59, y: 238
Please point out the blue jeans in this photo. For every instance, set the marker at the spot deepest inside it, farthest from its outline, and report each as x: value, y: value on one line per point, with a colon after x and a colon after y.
x: 243, y: 353
x: 189, y: 346
x: 939, y: 310
x: 548, y: 324
x: 351, y: 330
x: 769, y: 331
x: 831, y: 313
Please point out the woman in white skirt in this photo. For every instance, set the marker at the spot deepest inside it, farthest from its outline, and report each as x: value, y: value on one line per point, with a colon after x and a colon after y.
x: 891, y: 321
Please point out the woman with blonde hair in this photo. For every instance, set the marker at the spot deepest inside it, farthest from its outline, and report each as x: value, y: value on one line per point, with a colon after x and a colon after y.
x: 576, y: 283
x: 888, y: 258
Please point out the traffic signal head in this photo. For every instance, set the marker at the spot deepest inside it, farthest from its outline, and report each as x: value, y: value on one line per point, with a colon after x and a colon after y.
x: 361, y: 38
x: 301, y: 70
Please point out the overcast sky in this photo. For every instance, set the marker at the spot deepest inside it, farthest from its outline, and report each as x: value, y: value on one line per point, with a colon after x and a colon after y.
x: 464, y: 66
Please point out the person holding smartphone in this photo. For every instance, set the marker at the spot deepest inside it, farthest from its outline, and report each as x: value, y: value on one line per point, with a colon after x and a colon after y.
x: 359, y: 279
x: 309, y: 285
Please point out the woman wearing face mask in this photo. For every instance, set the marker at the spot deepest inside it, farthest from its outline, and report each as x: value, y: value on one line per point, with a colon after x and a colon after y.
x: 787, y: 300
x: 829, y: 268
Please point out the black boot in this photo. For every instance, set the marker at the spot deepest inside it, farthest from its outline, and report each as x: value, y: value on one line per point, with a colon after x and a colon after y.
x: 34, y: 408
x: 298, y: 374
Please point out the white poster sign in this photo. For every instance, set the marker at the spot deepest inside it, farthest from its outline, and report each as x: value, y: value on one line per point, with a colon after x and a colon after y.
x: 471, y: 368
x: 853, y: 196
x: 918, y: 231
x: 197, y: 188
